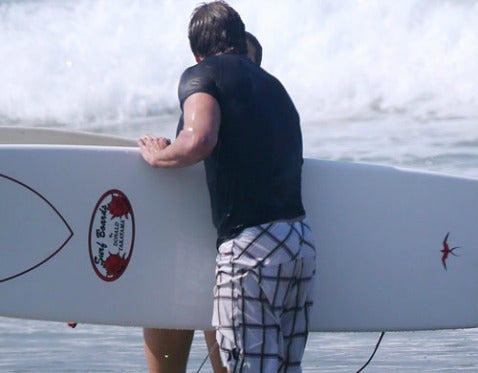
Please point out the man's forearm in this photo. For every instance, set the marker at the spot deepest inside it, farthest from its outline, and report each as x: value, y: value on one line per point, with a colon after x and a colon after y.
x: 187, y: 150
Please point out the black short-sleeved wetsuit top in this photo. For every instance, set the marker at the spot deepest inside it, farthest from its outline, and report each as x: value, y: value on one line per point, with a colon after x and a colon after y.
x: 254, y: 172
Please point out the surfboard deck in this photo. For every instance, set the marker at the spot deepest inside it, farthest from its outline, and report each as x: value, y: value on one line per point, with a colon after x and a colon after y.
x: 95, y: 235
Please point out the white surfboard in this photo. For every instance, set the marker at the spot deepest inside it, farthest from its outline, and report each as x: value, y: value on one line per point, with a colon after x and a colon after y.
x: 95, y: 235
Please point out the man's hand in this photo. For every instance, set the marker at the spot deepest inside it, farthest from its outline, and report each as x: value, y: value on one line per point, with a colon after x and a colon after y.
x: 150, y: 147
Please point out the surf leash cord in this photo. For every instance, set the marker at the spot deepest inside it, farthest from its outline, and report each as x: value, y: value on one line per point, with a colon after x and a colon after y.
x: 373, y: 353
x: 207, y: 356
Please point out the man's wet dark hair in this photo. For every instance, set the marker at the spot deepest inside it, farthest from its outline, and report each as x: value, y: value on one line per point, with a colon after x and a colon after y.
x: 216, y: 28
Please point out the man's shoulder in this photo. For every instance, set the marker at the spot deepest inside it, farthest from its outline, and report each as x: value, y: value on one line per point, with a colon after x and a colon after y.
x: 198, y: 78
x: 205, y: 68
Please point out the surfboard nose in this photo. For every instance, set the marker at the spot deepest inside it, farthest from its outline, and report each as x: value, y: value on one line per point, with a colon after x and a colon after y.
x: 28, y: 220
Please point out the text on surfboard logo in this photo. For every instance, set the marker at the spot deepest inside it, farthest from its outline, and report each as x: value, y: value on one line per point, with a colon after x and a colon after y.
x: 111, y: 235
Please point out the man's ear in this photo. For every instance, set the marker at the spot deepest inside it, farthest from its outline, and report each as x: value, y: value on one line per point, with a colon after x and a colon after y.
x: 198, y: 58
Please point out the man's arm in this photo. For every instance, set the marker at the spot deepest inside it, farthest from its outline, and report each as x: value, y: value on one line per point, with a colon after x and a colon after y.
x: 202, y: 117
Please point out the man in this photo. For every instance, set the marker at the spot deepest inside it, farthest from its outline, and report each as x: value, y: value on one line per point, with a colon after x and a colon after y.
x: 168, y: 350
x: 240, y: 120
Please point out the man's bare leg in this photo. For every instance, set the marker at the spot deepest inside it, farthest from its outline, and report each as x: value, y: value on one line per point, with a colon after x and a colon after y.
x: 167, y: 350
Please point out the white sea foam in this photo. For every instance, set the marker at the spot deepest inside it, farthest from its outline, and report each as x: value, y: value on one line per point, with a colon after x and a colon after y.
x: 94, y: 60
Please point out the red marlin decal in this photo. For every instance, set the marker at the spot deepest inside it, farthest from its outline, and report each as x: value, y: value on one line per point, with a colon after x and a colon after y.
x: 447, y: 251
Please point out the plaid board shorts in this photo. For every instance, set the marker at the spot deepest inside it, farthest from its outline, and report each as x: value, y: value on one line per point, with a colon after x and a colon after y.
x: 263, y: 296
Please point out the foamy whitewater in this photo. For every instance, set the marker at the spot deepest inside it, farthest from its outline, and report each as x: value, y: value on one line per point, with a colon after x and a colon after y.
x: 95, y: 60
x: 390, y: 82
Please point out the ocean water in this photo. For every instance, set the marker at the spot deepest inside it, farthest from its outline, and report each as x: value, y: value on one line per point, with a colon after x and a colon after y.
x: 375, y: 81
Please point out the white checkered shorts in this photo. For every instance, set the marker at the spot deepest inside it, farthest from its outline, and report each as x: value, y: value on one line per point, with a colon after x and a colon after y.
x: 262, y: 297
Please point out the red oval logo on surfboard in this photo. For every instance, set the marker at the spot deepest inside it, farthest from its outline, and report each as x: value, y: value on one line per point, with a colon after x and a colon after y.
x: 111, y: 237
